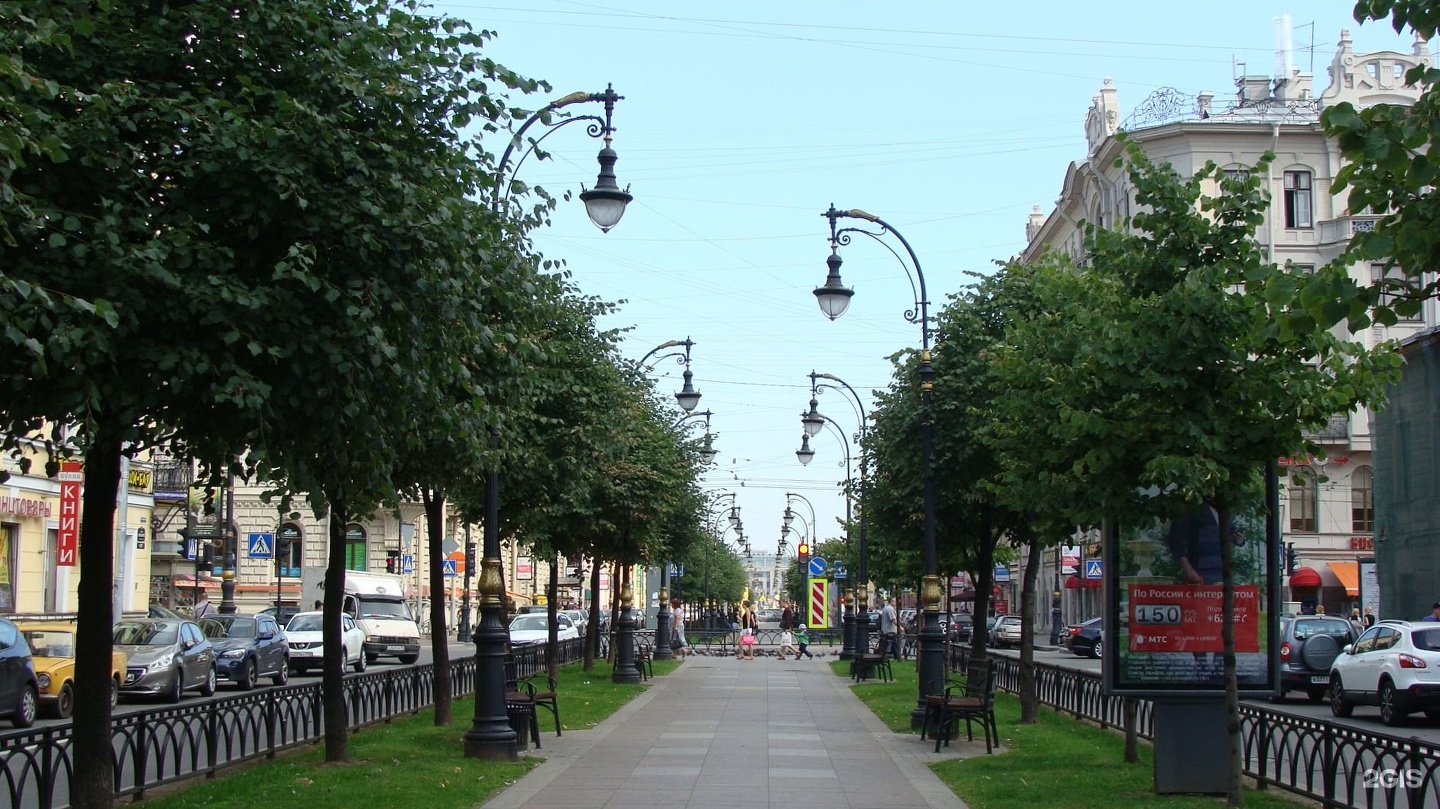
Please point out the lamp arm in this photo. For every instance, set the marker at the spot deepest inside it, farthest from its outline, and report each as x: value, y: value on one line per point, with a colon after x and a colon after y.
x: 921, y: 313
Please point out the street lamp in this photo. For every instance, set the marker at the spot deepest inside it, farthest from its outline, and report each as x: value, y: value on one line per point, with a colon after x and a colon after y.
x: 834, y: 297
x: 857, y: 637
x: 707, y: 450
x: 687, y: 397
x: 490, y: 735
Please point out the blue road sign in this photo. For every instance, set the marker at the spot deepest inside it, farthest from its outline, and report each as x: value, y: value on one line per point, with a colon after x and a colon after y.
x: 448, y: 567
x: 262, y: 546
x: 1002, y: 573
x: 676, y: 571
x: 818, y: 566
x: 840, y: 573
x: 408, y: 562
x: 1092, y: 568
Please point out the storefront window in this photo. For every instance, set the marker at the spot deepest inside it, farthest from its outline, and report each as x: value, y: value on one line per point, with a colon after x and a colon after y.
x: 9, y: 539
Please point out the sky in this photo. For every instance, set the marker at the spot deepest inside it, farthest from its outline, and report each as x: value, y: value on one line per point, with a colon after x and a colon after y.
x: 742, y: 122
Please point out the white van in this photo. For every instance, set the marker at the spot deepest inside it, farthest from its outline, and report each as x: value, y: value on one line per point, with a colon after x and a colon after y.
x: 377, y: 603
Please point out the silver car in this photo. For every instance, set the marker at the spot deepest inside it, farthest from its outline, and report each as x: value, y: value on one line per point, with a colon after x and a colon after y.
x: 165, y: 658
x: 1006, y: 632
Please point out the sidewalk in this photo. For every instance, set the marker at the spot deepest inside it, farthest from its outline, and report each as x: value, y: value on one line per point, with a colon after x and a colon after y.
x: 721, y: 732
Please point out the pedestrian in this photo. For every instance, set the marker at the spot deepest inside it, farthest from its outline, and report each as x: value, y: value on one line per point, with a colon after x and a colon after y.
x: 787, y: 644
x: 1434, y: 612
x: 1369, y: 619
x: 787, y: 616
x: 889, y: 630
x: 802, y: 637
x: 203, y: 607
x: 1356, y: 622
x: 677, y: 629
x: 1320, y: 609
x: 319, y: 605
x: 749, y: 625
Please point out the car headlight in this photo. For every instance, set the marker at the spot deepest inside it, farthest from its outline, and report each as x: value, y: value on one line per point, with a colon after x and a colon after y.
x: 43, y: 680
x: 231, y: 654
x: 161, y: 663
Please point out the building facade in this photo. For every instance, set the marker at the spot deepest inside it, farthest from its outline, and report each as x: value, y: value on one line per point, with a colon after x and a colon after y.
x: 1327, y: 502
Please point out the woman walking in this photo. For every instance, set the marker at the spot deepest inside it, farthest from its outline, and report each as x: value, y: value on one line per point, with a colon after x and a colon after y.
x: 749, y: 629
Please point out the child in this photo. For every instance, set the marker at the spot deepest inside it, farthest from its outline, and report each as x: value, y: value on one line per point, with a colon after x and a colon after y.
x: 803, y: 637
x: 787, y: 644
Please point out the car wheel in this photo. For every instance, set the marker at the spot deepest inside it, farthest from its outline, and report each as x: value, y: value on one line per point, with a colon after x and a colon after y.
x: 177, y: 687
x: 207, y: 689
x: 360, y: 661
x: 248, y: 675
x: 1316, y: 695
x: 114, y: 692
x: 283, y: 675
x: 65, y: 703
x: 1098, y: 649
x: 1432, y: 714
x: 1391, y: 712
x: 1339, y: 706
x: 24, y: 715
x: 409, y: 659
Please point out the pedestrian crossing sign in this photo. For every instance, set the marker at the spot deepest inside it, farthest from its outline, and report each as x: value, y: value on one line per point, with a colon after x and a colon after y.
x: 448, y: 566
x: 1092, y: 568
x: 262, y: 546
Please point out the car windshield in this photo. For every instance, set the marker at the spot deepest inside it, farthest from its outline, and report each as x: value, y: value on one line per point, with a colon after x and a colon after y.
x: 1305, y: 628
x: 49, y: 642
x: 383, y: 609
x: 529, y: 623
x: 228, y: 626
x: 1426, y: 640
x: 138, y: 634
x: 305, y: 623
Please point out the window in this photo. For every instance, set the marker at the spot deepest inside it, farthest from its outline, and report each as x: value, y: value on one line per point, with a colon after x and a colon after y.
x: 1362, y: 500
x: 355, y: 540
x: 9, y: 540
x: 1304, y: 500
x: 1400, y: 291
x: 1298, y: 200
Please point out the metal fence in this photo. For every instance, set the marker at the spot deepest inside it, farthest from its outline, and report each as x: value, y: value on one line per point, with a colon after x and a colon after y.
x: 1334, y: 764
x: 152, y: 748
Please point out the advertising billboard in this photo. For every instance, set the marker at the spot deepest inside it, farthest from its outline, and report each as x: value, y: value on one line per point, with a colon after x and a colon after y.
x: 1166, y: 603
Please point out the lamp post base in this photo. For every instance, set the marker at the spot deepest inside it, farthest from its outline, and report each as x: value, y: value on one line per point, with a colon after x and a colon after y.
x: 847, y: 632
x: 625, y: 669
x: 490, y: 735
x: 662, y: 634
x: 930, y: 664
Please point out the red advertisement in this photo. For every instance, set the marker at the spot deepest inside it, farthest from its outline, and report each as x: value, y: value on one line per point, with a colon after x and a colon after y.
x: 1188, y: 618
x: 68, y: 537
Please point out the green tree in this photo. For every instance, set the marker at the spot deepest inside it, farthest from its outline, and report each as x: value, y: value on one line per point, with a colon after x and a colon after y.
x: 236, y: 235
x: 1185, y: 376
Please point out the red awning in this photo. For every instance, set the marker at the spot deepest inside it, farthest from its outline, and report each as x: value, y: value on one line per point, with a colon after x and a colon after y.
x: 1077, y: 583
x: 1304, y: 577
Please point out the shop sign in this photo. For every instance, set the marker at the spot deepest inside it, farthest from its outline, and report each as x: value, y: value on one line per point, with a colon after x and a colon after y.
x: 524, y: 568
x: 67, y: 540
x: 141, y: 480
x: 24, y: 507
x: 1362, y: 543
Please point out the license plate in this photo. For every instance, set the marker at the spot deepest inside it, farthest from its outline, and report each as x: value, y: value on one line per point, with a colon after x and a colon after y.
x: 394, y: 648
x: 1320, y: 680
x: 300, y: 653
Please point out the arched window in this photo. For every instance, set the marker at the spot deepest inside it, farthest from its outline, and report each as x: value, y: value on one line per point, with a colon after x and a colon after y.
x: 290, y: 549
x: 1362, y: 500
x: 1304, y: 500
x: 355, y: 538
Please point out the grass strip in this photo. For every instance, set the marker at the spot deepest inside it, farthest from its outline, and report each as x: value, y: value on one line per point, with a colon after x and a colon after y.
x: 407, y: 760
x: 1058, y: 761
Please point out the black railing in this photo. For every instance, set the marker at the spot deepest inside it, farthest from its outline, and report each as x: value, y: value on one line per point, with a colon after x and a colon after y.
x: 162, y: 746
x: 1337, y: 765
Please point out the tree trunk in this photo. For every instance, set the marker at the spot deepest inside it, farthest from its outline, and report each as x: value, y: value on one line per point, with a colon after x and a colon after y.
x: 1235, y: 794
x: 1029, y: 698
x: 434, y: 500
x: 984, y: 581
x: 332, y: 684
x: 552, y: 609
x: 92, y: 786
x: 595, y: 608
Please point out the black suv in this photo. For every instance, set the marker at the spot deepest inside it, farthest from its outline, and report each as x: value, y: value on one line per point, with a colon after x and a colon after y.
x: 1308, y: 645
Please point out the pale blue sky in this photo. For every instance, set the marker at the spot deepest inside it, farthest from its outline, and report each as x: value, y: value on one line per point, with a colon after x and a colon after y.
x: 743, y: 121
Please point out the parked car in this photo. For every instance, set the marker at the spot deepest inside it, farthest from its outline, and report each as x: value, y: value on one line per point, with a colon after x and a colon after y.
x: 162, y: 613
x: 768, y: 615
x: 580, y: 618
x: 19, y: 686
x: 536, y: 628
x: 1309, y: 645
x: 1395, y: 665
x: 1006, y: 632
x: 165, y: 657
x: 248, y: 647
x: 962, y: 628
x: 307, y: 643
x: 1087, y: 639
x: 282, y: 615
x: 52, y: 649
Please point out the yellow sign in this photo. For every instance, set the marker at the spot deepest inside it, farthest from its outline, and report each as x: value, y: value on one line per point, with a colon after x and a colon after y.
x: 539, y: 599
x: 141, y: 480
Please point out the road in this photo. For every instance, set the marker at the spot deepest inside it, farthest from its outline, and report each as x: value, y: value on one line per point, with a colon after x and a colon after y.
x: 1366, y: 718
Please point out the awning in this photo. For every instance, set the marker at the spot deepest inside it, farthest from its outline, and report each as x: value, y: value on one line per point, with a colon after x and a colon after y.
x: 1077, y: 583
x: 1349, y: 575
x: 1305, y: 577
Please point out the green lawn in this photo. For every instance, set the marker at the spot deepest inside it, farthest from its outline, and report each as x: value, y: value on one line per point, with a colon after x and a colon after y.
x: 1055, y: 762
x: 390, y: 765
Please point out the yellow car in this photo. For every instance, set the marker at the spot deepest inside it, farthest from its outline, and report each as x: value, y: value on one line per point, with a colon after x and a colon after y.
x: 52, y: 647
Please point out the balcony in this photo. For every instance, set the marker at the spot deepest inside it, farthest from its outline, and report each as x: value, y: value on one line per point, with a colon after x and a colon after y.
x: 173, y: 480
x: 1335, y: 431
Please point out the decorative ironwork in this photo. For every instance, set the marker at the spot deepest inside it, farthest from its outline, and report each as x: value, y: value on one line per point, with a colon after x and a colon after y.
x: 1165, y: 105
x: 1170, y: 106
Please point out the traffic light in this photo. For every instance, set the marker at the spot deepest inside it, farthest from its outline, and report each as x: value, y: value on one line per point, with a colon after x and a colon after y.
x: 392, y: 561
x: 470, y: 558
x: 802, y: 552
x: 1290, y: 559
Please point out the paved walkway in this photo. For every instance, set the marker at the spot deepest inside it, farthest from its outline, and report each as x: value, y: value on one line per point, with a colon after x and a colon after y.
x: 721, y: 732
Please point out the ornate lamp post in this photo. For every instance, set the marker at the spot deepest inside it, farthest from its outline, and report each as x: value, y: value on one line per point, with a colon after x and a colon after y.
x: 857, y: 620
x: 834, y: 297
x: 707, y: 449
x: 687, y: 397
x: 490, y: 735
